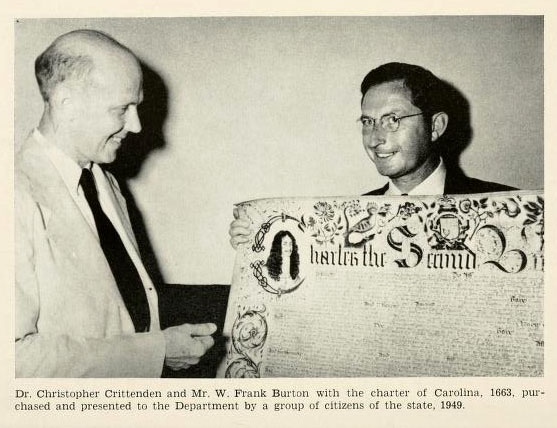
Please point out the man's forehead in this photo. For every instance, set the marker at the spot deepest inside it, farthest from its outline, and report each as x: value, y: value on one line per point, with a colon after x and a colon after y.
x: 108, y: 70
x: 116, y: 60
x: 392, y: 93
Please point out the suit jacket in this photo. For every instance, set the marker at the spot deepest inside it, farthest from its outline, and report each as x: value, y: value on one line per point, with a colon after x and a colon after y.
x: 70, y: 318
x: 456, y: 183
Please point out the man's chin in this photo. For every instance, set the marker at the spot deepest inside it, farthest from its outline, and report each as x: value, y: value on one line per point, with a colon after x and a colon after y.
x: 390, y: 172
x: 108, y: 156
x: 386, y: 166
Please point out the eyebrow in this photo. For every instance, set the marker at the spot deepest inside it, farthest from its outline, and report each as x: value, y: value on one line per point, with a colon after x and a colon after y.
x: 367, y: 116
x: 124, y: 104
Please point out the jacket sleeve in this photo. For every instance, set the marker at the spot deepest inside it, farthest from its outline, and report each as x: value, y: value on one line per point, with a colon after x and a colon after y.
x: 48, y: 355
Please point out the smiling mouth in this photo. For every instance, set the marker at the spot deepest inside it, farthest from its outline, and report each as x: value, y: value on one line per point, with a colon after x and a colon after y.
x: 384, y: 155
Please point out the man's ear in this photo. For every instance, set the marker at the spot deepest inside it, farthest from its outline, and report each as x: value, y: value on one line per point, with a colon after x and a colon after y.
x: 439, y: 123
x: 62, y: 101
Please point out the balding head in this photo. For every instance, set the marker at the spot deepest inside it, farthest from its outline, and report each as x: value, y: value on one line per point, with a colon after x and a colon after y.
x: 73, y: 56
x: 92, y: 86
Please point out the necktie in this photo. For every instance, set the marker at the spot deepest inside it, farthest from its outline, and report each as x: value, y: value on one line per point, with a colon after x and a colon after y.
x: 121, y: 265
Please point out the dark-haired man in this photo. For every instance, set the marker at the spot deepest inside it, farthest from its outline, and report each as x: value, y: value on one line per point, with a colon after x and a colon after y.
x: 403, y: 119
x: 85, y: 305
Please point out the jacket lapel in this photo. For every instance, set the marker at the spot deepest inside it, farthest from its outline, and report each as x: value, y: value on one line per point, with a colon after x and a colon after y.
x: 65, y: 226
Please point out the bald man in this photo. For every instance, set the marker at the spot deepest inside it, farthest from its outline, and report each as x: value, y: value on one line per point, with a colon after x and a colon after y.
x: 85, y: 305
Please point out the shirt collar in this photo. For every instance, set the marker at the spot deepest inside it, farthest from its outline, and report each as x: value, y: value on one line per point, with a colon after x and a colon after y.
x: 68, y: 169
x: 434, y: 184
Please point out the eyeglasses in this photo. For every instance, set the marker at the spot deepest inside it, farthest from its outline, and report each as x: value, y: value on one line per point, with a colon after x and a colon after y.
x: 389, y: 122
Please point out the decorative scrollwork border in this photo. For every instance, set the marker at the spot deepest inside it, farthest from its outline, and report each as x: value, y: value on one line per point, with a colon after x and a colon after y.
x: 258, y: 246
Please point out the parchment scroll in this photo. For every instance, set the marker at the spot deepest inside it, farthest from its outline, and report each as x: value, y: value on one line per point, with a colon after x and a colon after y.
x: 389, y: 286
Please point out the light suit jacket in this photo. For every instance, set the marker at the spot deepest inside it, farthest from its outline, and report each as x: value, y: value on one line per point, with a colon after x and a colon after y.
x: 70, y: 318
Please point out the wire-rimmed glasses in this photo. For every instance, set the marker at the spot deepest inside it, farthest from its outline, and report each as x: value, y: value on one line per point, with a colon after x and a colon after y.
x: 389, y: 122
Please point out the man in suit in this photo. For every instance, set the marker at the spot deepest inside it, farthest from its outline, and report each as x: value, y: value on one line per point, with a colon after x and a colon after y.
x: 403, y: 119
x: 85, y: 305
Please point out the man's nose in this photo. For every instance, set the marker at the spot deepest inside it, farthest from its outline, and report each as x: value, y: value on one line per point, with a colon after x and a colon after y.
x: 133, y: 124
x: 374, y: 137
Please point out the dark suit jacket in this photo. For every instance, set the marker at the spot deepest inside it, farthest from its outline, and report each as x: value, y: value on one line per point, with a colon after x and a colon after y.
x: 456, y: 183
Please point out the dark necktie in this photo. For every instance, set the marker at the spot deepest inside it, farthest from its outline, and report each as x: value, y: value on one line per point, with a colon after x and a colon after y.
x: 121, y: 265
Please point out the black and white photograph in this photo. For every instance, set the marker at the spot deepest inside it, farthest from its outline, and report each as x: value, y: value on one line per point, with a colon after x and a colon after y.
x: 328, y: 197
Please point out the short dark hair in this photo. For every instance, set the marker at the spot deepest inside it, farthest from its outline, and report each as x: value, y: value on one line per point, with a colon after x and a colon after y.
x: 425, y: 88
x: 63, y: 61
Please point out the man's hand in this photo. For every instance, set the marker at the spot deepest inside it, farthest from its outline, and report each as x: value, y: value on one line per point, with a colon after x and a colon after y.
x: 239, y: 230
x: 187, y: 343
